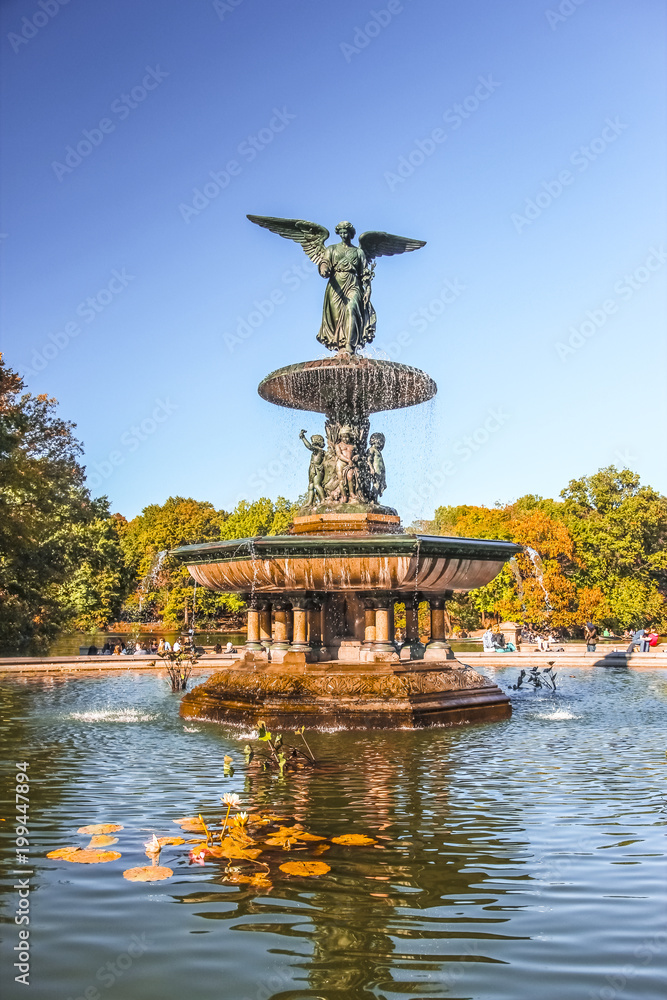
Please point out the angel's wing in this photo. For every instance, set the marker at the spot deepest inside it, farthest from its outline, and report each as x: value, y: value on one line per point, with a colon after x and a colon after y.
x: 385, y: 245
x: 310, y: 235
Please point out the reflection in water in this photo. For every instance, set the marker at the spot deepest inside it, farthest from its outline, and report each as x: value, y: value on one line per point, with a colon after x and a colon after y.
x: 503, y: 852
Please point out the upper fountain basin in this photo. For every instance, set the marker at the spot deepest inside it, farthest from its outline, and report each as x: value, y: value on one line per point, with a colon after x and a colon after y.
x: 347, y: 383
x: 430, y: 564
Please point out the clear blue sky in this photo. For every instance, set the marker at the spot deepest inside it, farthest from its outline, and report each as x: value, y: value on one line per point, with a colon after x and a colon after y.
x: 541, y: 198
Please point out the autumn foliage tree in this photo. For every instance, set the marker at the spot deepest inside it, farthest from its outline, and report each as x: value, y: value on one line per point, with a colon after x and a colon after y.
x: 596, y: 554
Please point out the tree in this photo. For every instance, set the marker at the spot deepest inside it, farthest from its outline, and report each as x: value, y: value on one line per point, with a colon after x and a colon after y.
x: 46, y: 515
x: 598, y: 554
x: 620, y: 531
x: 95, y: 593
x: 163, y: 585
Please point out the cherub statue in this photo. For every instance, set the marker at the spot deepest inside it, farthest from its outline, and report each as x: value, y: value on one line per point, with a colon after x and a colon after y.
x: 347, y: 457
x: 316, y: 468
x: 348, y: 318
x: 376, y: 465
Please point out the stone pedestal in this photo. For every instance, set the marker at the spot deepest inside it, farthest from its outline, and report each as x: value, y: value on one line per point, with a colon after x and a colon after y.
x: 381, y: 695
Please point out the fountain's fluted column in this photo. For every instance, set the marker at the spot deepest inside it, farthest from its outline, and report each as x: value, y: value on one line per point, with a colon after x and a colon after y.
x: 265, y: 623
x: 384, y: 620
x: 412, y: 649
x: 299, y: 634
x: 438, y: 645
x: 369, y: 622
x: 280, y: 640
x: 252, y: 636
x: 313, y: 625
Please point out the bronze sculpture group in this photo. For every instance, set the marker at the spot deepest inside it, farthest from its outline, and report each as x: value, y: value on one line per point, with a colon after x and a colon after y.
x: 345, y: 469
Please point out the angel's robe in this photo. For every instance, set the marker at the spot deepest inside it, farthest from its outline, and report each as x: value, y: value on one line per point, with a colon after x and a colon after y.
x: 348, y: 318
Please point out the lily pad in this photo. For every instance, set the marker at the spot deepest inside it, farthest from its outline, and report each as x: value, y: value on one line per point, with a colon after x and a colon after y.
x: 86, y: 857
x: 305, y: 868
x: 260, y: 880
x: 96, y: 828
x: 191, y: 824
x: 228, y: 849
x: 148, y: 873
x: 62, y: 852
x: 102, y: 840
x: 170, y: 841
x: 352, y: 840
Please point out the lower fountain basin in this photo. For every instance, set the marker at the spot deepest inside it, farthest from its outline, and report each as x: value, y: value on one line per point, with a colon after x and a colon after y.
x: 347, y: 696
x: 430, y: 564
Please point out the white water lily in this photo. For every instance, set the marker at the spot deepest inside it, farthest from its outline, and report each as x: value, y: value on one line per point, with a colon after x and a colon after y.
x: 229, y: 799
x: 241, y: 819
x: 153, y: 846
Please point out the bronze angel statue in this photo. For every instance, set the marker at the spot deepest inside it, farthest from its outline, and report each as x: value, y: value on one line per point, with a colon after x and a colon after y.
x: 348, y: 317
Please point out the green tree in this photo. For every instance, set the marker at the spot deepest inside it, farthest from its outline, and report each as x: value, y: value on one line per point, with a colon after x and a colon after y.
x: 94, y: 595
x: 163, y: 585
x: 46, y: 514
x: 619, y: 529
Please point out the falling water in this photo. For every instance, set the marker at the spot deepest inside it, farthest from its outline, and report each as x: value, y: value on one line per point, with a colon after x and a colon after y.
x: 150, y: 579
x: 539, y: 572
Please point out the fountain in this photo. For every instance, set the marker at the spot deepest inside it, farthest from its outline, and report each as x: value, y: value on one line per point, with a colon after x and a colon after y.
x: 321, y: 641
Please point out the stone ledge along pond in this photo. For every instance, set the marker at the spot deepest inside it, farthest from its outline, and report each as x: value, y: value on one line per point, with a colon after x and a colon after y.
x: 508, y: 860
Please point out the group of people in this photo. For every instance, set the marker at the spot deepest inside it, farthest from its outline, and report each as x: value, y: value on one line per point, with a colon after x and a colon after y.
x: 644, y: 638
x: 153, y: 648
x: 494, y: 642
x: 140, y: 648
x: 641, y: 638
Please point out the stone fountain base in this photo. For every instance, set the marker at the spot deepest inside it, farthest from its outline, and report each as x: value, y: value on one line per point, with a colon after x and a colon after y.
x: 352, y: 695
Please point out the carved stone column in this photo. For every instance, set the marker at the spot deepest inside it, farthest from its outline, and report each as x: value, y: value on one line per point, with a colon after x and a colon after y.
x: 369, y: 622
x: 265, y: 623
x: 299, y: 635
x: 252, y: 642
x: 438, y: 647
x: 412, y: 648
x: 280, y: 640
x: 384, y: 620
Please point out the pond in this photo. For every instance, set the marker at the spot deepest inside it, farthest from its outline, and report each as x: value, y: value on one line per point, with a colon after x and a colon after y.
x: 510, y: 860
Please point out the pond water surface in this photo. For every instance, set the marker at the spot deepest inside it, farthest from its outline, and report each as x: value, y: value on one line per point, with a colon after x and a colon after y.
x: 512, y: 860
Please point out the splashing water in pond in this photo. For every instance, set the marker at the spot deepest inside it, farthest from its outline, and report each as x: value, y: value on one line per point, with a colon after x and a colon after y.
x: 536, y: 843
